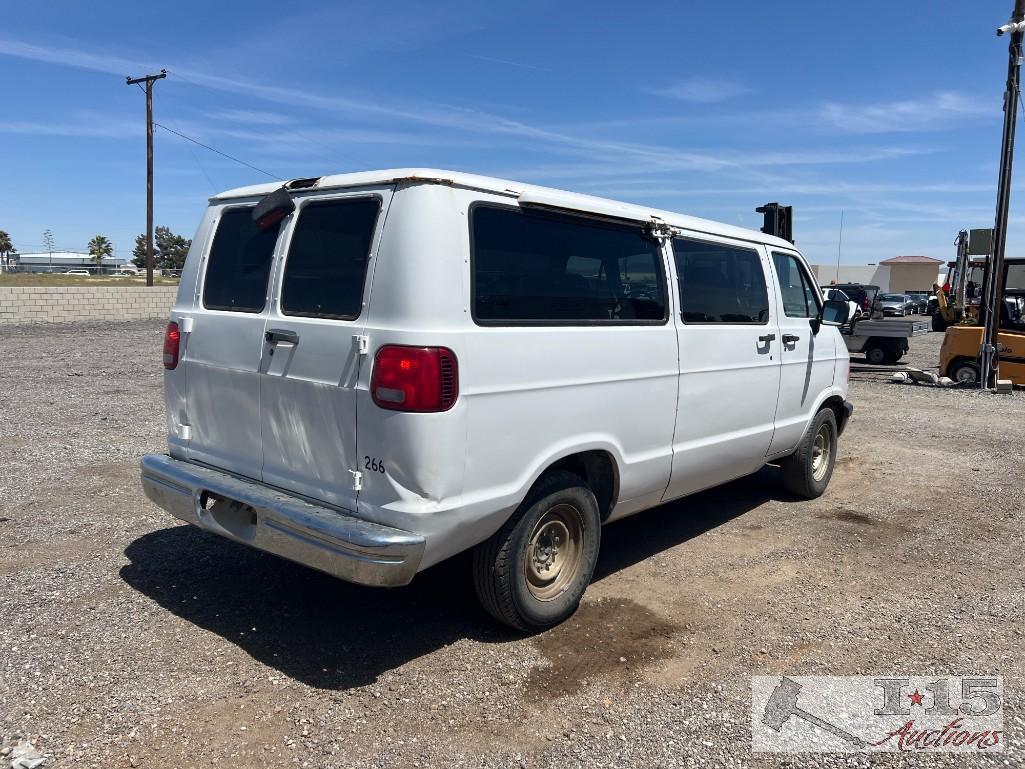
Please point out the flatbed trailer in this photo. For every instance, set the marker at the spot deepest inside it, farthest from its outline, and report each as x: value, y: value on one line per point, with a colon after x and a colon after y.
x: 882, y: 341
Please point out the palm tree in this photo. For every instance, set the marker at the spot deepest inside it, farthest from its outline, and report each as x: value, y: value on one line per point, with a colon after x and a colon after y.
x: 6, y: 246
x: 100, y: 247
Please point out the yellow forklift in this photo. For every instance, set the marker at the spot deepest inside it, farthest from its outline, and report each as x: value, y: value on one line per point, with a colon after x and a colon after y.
x: 959, y: 355
x: 990, y: 348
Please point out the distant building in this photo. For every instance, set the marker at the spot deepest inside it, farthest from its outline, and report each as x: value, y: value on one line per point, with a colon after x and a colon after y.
x: 62, y: 261
x: 868, y: 275
x: 896, y: 275
x: 912, y: 273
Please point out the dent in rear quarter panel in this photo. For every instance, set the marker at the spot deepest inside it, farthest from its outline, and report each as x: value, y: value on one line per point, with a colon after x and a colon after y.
x: 416, y: 299
x: 176, y: 380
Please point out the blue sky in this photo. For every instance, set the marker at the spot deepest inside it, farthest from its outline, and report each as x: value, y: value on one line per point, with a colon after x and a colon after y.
x: 888, y: 111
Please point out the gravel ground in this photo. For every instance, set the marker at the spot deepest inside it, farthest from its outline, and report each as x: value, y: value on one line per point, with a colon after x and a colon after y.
x: 128, y: 640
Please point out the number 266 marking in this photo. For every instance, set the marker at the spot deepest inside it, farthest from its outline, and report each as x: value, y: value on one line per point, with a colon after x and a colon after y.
x: 372, y: 463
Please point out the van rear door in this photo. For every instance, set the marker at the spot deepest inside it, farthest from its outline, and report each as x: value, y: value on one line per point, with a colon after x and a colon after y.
x: 312, y: 344
x: 225, y: 344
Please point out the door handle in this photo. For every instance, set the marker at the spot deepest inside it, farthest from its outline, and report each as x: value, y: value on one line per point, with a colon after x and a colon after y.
x: 281, y: 335
x: 791, y: 338
x: 766, y: 338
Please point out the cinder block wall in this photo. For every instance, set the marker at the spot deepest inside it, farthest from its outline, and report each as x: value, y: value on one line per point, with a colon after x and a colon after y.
x: 64, y: 304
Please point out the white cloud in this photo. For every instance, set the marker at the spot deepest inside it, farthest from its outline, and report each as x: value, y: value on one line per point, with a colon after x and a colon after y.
x: 936, y: 112
x: 702, y: 89
x: 251, y: 117
x: 108, y: 129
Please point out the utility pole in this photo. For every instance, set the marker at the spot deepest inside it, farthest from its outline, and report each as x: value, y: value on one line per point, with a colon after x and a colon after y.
x: 990, y: 353
x: 149, y: 80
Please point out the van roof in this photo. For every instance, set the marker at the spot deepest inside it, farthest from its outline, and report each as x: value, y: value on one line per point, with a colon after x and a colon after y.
x: 525, y: 193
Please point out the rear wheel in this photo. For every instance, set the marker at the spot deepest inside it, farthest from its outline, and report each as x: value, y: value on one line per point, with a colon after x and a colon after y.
x: 532, y: 573
x: 965, y: 372
x: 876, y: 354
x: 807, y: 471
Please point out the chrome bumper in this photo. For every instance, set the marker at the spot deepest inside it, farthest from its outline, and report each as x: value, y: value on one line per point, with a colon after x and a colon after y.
x: 268, y: 519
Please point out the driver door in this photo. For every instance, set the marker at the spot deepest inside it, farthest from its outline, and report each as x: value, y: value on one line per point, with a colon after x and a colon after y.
x: 808, y: 359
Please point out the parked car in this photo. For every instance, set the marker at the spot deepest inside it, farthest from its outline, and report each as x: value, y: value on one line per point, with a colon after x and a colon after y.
x: 370, y: 373
x: 831, y: 293
x: 920, y: 301
x: 896, y: 304
x: 122, y: 274
x: 78, y: 272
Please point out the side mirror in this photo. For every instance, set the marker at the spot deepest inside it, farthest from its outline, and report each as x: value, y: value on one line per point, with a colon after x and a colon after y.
x: 835, y: 313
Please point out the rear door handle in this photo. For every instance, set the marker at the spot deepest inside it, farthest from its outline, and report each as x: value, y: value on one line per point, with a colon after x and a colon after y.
x: 791, y: 338
x: 281, y: 335
x: 766, y: 338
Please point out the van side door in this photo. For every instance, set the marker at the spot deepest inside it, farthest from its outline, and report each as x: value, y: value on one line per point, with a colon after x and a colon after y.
x: 729, y: 361
x: 808, y: 358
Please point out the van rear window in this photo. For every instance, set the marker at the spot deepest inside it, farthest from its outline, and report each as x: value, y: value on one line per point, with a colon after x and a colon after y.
x: 239, y: 264
x: 539, y: 269
x: 327, y: 259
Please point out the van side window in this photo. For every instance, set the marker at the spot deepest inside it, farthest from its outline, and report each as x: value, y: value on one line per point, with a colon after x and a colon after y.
x: 799, y: 293
x: 327, y: 259
x: 539, y: 269
x: 720, y: 283
x: 239, y: 264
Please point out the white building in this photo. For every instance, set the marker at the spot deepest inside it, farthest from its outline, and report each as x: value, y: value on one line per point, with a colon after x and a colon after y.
x: 897, y: 275
x: 62, y: 261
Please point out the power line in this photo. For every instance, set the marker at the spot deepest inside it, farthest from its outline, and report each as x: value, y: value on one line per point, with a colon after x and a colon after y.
x: 195, y: 158
x: 217, y: 151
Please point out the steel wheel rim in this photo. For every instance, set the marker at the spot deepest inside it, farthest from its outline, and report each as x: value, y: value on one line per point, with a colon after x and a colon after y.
x: 820, y: 452
x: 553, y: 554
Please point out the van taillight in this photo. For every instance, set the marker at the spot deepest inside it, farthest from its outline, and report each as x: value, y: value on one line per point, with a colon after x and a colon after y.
x: 415, y: 378
x: 172, y: 338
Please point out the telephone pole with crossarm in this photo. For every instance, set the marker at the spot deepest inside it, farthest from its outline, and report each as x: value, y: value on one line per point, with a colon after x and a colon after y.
x: 148, y: 80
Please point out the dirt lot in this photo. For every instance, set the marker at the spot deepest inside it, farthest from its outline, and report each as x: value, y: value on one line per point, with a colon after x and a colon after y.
x: 128, y: 640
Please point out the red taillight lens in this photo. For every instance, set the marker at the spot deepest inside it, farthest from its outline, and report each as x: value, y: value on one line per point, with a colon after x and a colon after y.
x: 415, y: 378
x: 172, y: 338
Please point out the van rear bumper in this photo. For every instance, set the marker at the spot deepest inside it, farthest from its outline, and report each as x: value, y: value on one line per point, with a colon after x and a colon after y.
x: 268, y: 519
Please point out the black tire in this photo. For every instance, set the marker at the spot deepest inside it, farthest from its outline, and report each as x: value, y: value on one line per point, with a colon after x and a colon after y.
x: 802, y: 475
x: 507, y: 587
x: 876, y: 354
x: 938, y: 324
x: 965, y: 372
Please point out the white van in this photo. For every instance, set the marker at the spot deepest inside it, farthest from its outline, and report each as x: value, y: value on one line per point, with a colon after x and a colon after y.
x: 369, y: 373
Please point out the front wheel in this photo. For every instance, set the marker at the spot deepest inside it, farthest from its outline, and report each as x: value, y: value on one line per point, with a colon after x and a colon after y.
x: 532, y: 573
x: 965, y: 372
x: 807, y: 471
